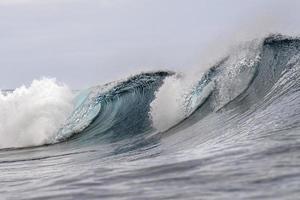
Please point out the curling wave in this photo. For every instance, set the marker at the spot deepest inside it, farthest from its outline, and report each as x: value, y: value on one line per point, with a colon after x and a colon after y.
x: 255, y: 75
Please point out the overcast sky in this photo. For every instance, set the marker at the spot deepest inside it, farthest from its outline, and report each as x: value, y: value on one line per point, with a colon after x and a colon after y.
x: 88, y: 42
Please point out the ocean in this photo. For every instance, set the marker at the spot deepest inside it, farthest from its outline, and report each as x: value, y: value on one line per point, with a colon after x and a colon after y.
x: 231, y: 132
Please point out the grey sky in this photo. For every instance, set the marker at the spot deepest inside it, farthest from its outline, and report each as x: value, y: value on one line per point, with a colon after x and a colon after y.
x: 88, y: 42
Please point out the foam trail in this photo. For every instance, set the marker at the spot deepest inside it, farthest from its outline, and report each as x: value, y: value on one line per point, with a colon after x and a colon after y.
x: 31, y: 115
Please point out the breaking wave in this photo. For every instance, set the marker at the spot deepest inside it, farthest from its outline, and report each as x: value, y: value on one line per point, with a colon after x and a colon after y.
x: 31, y: 115
x: 255, y: 75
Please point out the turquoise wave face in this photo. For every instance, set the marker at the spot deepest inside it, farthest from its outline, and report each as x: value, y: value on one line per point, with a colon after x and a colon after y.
x: 115, y: 107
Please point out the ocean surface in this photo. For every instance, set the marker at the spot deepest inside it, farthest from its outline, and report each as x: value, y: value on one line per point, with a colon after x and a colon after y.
x: 231, y: 132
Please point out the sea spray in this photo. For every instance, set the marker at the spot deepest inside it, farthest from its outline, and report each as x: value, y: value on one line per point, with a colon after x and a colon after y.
x: 31, y: 115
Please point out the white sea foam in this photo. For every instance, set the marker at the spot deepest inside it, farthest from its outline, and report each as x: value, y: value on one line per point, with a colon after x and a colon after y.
x: 170, y: 104
x: 31, y: 115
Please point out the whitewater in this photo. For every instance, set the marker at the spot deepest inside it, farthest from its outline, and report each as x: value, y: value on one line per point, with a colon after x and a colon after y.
x: 230, y: 132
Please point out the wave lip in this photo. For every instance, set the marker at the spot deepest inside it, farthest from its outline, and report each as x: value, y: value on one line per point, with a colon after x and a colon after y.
x: 105, y: 108
x: 239, y: 81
